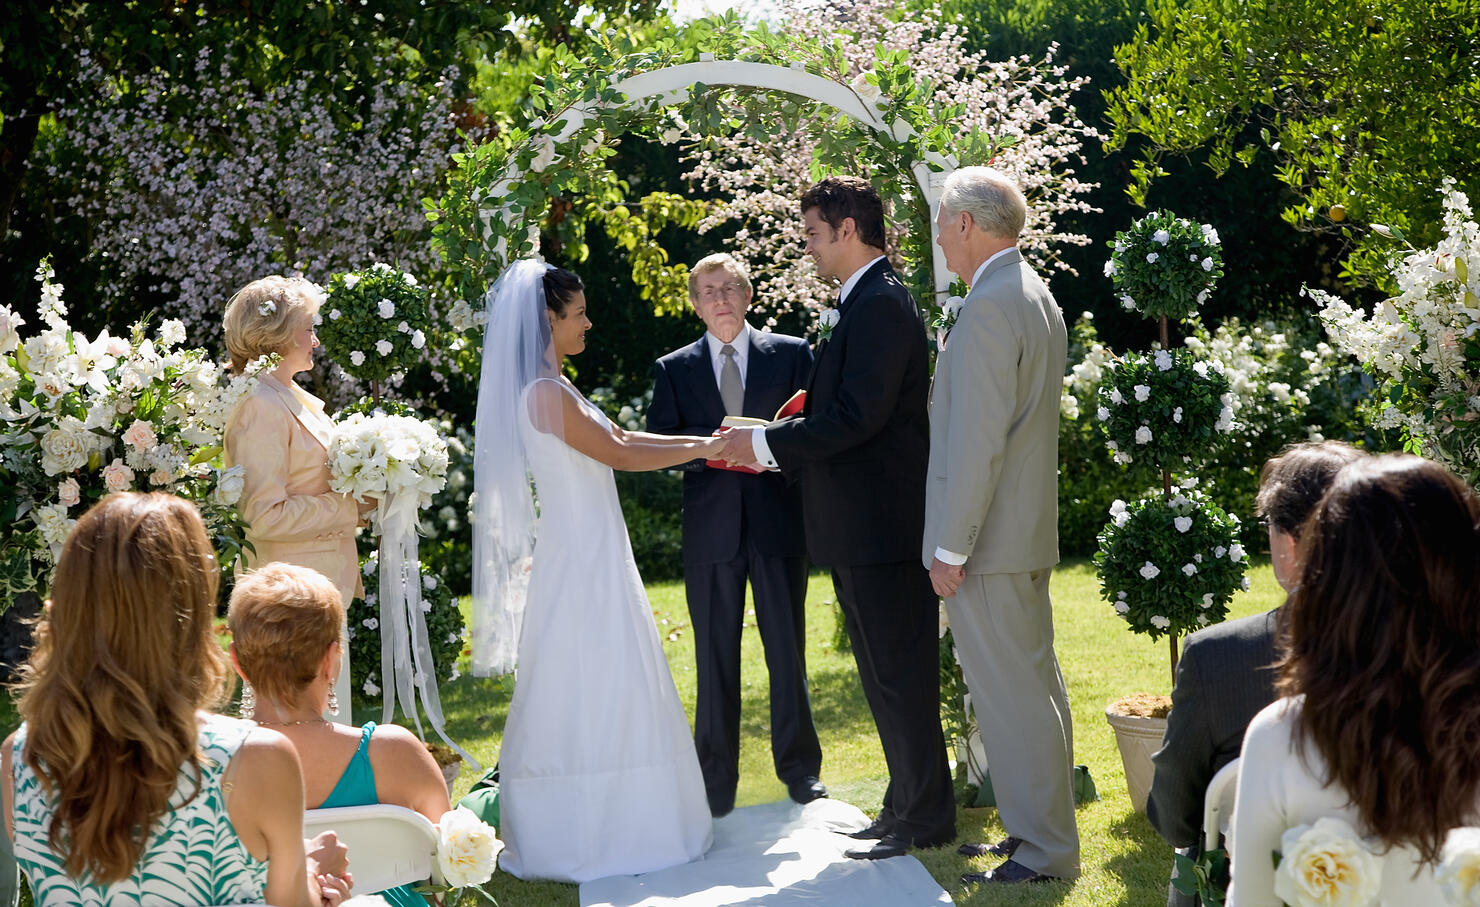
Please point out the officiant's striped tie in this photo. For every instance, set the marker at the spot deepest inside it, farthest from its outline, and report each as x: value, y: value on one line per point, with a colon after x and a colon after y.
x: 730, y: 389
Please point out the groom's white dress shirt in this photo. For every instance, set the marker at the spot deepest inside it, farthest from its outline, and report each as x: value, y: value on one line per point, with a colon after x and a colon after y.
x: 941, y: 554
x: 741, y: 345
x: 758, y: 443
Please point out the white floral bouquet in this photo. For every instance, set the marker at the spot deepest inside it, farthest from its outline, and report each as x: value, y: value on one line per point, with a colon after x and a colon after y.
x: 1164, y: 407
x: 1165, y: 266
x: 1458, y: 873
x: 1325, y: 865
x: 1423, y: 345
x: 378, y: 455
x: 467, y: 853
x: 85, y: 417
x: 375, y: 322
x: 1170, y: 565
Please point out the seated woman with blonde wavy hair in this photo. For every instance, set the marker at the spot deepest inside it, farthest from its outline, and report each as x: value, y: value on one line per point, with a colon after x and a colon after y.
x: 285, y: 626
x: 120, y: 786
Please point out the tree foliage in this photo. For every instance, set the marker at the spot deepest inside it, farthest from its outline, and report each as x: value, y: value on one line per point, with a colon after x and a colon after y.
x: 1366, y: 105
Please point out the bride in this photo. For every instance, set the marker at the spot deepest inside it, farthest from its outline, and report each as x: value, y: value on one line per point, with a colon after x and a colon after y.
x: 598, y: 774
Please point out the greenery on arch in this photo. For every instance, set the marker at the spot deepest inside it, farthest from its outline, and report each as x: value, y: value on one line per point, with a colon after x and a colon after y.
x: 503, y: 191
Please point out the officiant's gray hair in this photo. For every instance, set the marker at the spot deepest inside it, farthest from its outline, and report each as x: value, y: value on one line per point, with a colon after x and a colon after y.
x: 722, y: 261
x: 992, y: 199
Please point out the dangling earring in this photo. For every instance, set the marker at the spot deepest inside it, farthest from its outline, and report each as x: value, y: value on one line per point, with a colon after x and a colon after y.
x: 249, y: 702
x: 333, y: 703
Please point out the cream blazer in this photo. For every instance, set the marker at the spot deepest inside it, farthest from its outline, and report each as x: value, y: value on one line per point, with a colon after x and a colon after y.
x: 992, y: 492
x: 281, y: 434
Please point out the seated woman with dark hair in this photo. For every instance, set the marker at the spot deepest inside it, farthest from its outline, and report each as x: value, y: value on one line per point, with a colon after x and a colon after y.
x: 285, y: 626
x: 120, y: 787
x: 1381, y: 678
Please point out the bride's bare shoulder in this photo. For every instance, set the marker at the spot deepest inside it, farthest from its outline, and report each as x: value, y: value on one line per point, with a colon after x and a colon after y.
x: 550, y: 400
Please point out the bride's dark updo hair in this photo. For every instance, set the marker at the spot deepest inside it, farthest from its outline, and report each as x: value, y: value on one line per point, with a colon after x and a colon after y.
x: 561, y: 286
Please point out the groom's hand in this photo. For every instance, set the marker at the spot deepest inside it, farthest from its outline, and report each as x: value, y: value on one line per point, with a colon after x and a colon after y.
x: 738, y: 449
x: 946, y: 578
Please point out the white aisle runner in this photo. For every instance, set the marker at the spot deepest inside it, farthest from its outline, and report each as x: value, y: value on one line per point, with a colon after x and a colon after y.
x: 779, y: 855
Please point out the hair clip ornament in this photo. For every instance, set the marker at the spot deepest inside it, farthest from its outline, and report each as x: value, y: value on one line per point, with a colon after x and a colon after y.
x: 267, y: 308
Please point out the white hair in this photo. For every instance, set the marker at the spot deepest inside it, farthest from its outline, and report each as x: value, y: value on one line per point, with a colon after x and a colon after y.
x: 994, y: 202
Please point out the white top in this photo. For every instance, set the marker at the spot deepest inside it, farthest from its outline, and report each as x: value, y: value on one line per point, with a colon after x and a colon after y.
x: 1277, y: 791
x: 741, y: 345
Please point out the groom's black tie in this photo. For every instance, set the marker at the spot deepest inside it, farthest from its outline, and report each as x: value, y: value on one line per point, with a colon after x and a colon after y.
x: 730, y: 390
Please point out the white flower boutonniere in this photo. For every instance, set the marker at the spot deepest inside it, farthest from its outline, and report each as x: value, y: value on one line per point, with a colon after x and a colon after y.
x: 950, y: 310
x: 827, y: 319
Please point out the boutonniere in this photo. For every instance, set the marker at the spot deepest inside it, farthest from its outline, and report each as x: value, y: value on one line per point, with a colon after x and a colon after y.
x: 950, y: 310
x: 827, y: 319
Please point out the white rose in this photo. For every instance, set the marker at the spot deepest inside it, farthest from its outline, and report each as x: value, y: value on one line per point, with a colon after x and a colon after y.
x: 1143, y: 393
x: 1163, y: 360
x: 117, y: 476
x: 370, y: 688
x: 1244, y: 584
x: 1189, y: 569
x: 1115, y: 396
x: 62, y: 451
x: 1219, y: 551
x: 951, y: 308
x: 229, y: 485
x: 386, y: 308
x: 1151, y: 257
x: 1162, y: 237
x: 350, y: 280
x: 544, y: 154
x: 1118, y: 512
x: 1177, y: 415
x: 1459, y: 867
x: 69, y: 492
x: 1235, y: 552
x: 370, y: 623
x: 1326, y: 865
x: 418, y: 340
x: 865, y: 89
x: 356, y: 357
x: 429, y: 582
x: 1102, y: 414
x: 1183, y: 523
x: 1127, y: 303
x: 1110, y: 268
x: 1210, y: 236
x: 1143, y: 435
x: 335, y: 314
x: 404, y: 328
x: 171, y: 333
x: 1122, y: 608
x: 1207, y: 600
x: 1160, y: 622
x: 1207, y: 264
x: 467, y: 850
x: 384, y: 347
x: 1150, y: 571
x: 828, y: 318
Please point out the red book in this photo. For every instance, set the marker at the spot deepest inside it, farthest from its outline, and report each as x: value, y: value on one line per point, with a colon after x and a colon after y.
x: 791, y: 407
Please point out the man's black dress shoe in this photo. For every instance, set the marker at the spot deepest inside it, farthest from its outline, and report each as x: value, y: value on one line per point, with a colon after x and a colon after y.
x: 876, y: 830
x: 1009, y: 873
x: 806, y: 789
x: 1003, y: 848
x: 892, y: 845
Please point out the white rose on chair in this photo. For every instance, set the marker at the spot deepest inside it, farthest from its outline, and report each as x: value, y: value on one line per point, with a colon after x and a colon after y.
x: 1459, y: 867
x: 1326, y: 865
x: 467, y: 848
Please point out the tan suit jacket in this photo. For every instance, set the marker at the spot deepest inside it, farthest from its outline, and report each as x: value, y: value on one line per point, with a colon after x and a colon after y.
x: 281, y: 434
x: 992, y: 492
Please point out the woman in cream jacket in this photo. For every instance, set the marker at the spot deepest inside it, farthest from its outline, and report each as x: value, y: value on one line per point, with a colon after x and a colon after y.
x: 281, y: 435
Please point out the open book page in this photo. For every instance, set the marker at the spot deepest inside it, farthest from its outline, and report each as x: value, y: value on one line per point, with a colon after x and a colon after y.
x: 790, y: 408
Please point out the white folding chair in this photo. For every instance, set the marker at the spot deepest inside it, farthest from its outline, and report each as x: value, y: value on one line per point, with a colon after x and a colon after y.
x: 1218, y: 805
x: 388, y: 845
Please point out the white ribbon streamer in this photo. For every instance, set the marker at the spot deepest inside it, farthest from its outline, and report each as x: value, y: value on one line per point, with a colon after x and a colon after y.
x: 405, y: 651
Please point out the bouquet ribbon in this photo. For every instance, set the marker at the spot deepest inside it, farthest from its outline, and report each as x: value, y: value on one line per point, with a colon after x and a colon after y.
x: 406, y: 666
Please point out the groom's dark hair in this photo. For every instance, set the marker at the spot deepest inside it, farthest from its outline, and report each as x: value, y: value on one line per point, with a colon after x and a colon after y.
x: 839, y: 197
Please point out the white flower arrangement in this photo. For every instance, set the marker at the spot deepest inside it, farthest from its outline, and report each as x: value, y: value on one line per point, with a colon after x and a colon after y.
x: 1186, y: 400
x: 1326, y: 864
x: 467, y: 854
x: 87, y: 417
x: 1165, y: 265
x: 380, y: 309
x: 382, y: 455
x: 1458, y: 873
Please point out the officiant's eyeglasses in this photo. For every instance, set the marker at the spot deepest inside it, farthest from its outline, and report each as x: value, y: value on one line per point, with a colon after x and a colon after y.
x: 725, y: 289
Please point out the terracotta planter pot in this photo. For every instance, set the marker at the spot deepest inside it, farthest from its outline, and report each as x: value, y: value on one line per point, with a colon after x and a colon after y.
x: 1138, y: 737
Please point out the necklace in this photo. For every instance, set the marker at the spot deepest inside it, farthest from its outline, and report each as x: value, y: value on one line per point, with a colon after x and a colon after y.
x: 293, y: 723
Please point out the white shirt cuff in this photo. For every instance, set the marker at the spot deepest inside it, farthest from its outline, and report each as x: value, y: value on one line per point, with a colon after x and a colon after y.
x: 950, y: 557
x: 762, y: 449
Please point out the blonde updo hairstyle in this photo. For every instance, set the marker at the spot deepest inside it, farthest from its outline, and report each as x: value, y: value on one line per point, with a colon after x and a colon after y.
x: 283, y: 618
x: 263, y: 316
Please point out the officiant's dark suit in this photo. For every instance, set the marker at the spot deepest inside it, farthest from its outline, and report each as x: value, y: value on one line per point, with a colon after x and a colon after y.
x: 738, y: 526
x: 859, y: 451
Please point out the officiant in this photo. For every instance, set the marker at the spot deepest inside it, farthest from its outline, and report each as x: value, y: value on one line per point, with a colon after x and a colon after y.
x: 739, y: 526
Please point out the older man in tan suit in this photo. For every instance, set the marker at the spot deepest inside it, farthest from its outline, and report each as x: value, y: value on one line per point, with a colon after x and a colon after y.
x: 991, y: 520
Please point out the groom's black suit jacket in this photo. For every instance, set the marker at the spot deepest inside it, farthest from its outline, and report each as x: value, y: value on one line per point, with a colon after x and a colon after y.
x: 863, y: 442
x: 686, y: 401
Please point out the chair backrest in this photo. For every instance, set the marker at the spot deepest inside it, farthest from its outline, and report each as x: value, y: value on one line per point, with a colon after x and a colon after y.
x: 1218, y: 804
x: 388, y: 845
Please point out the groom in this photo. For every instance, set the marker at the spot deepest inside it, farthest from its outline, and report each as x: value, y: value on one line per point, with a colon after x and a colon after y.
x: 860, y: 449
x: 991, y: 520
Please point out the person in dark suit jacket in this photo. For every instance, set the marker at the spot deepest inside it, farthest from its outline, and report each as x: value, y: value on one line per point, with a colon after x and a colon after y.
x: 860, y: 450
x: 1227, y: 672
x: 738, y: 526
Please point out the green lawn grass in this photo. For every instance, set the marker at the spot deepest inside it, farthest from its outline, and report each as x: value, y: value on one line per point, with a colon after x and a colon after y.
x: 1125, y: 863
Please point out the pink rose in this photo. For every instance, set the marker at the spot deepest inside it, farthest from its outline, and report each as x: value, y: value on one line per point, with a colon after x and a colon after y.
x: 140, y: 435
x: 69, y: 493
x: 161, y: 477
x: 117, y: 477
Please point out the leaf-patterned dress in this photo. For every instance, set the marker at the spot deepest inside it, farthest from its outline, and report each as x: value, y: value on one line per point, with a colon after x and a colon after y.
x: 192, y: 857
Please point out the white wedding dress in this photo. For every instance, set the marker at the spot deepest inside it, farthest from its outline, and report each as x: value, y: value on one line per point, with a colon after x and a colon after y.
x: 598, y: 774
